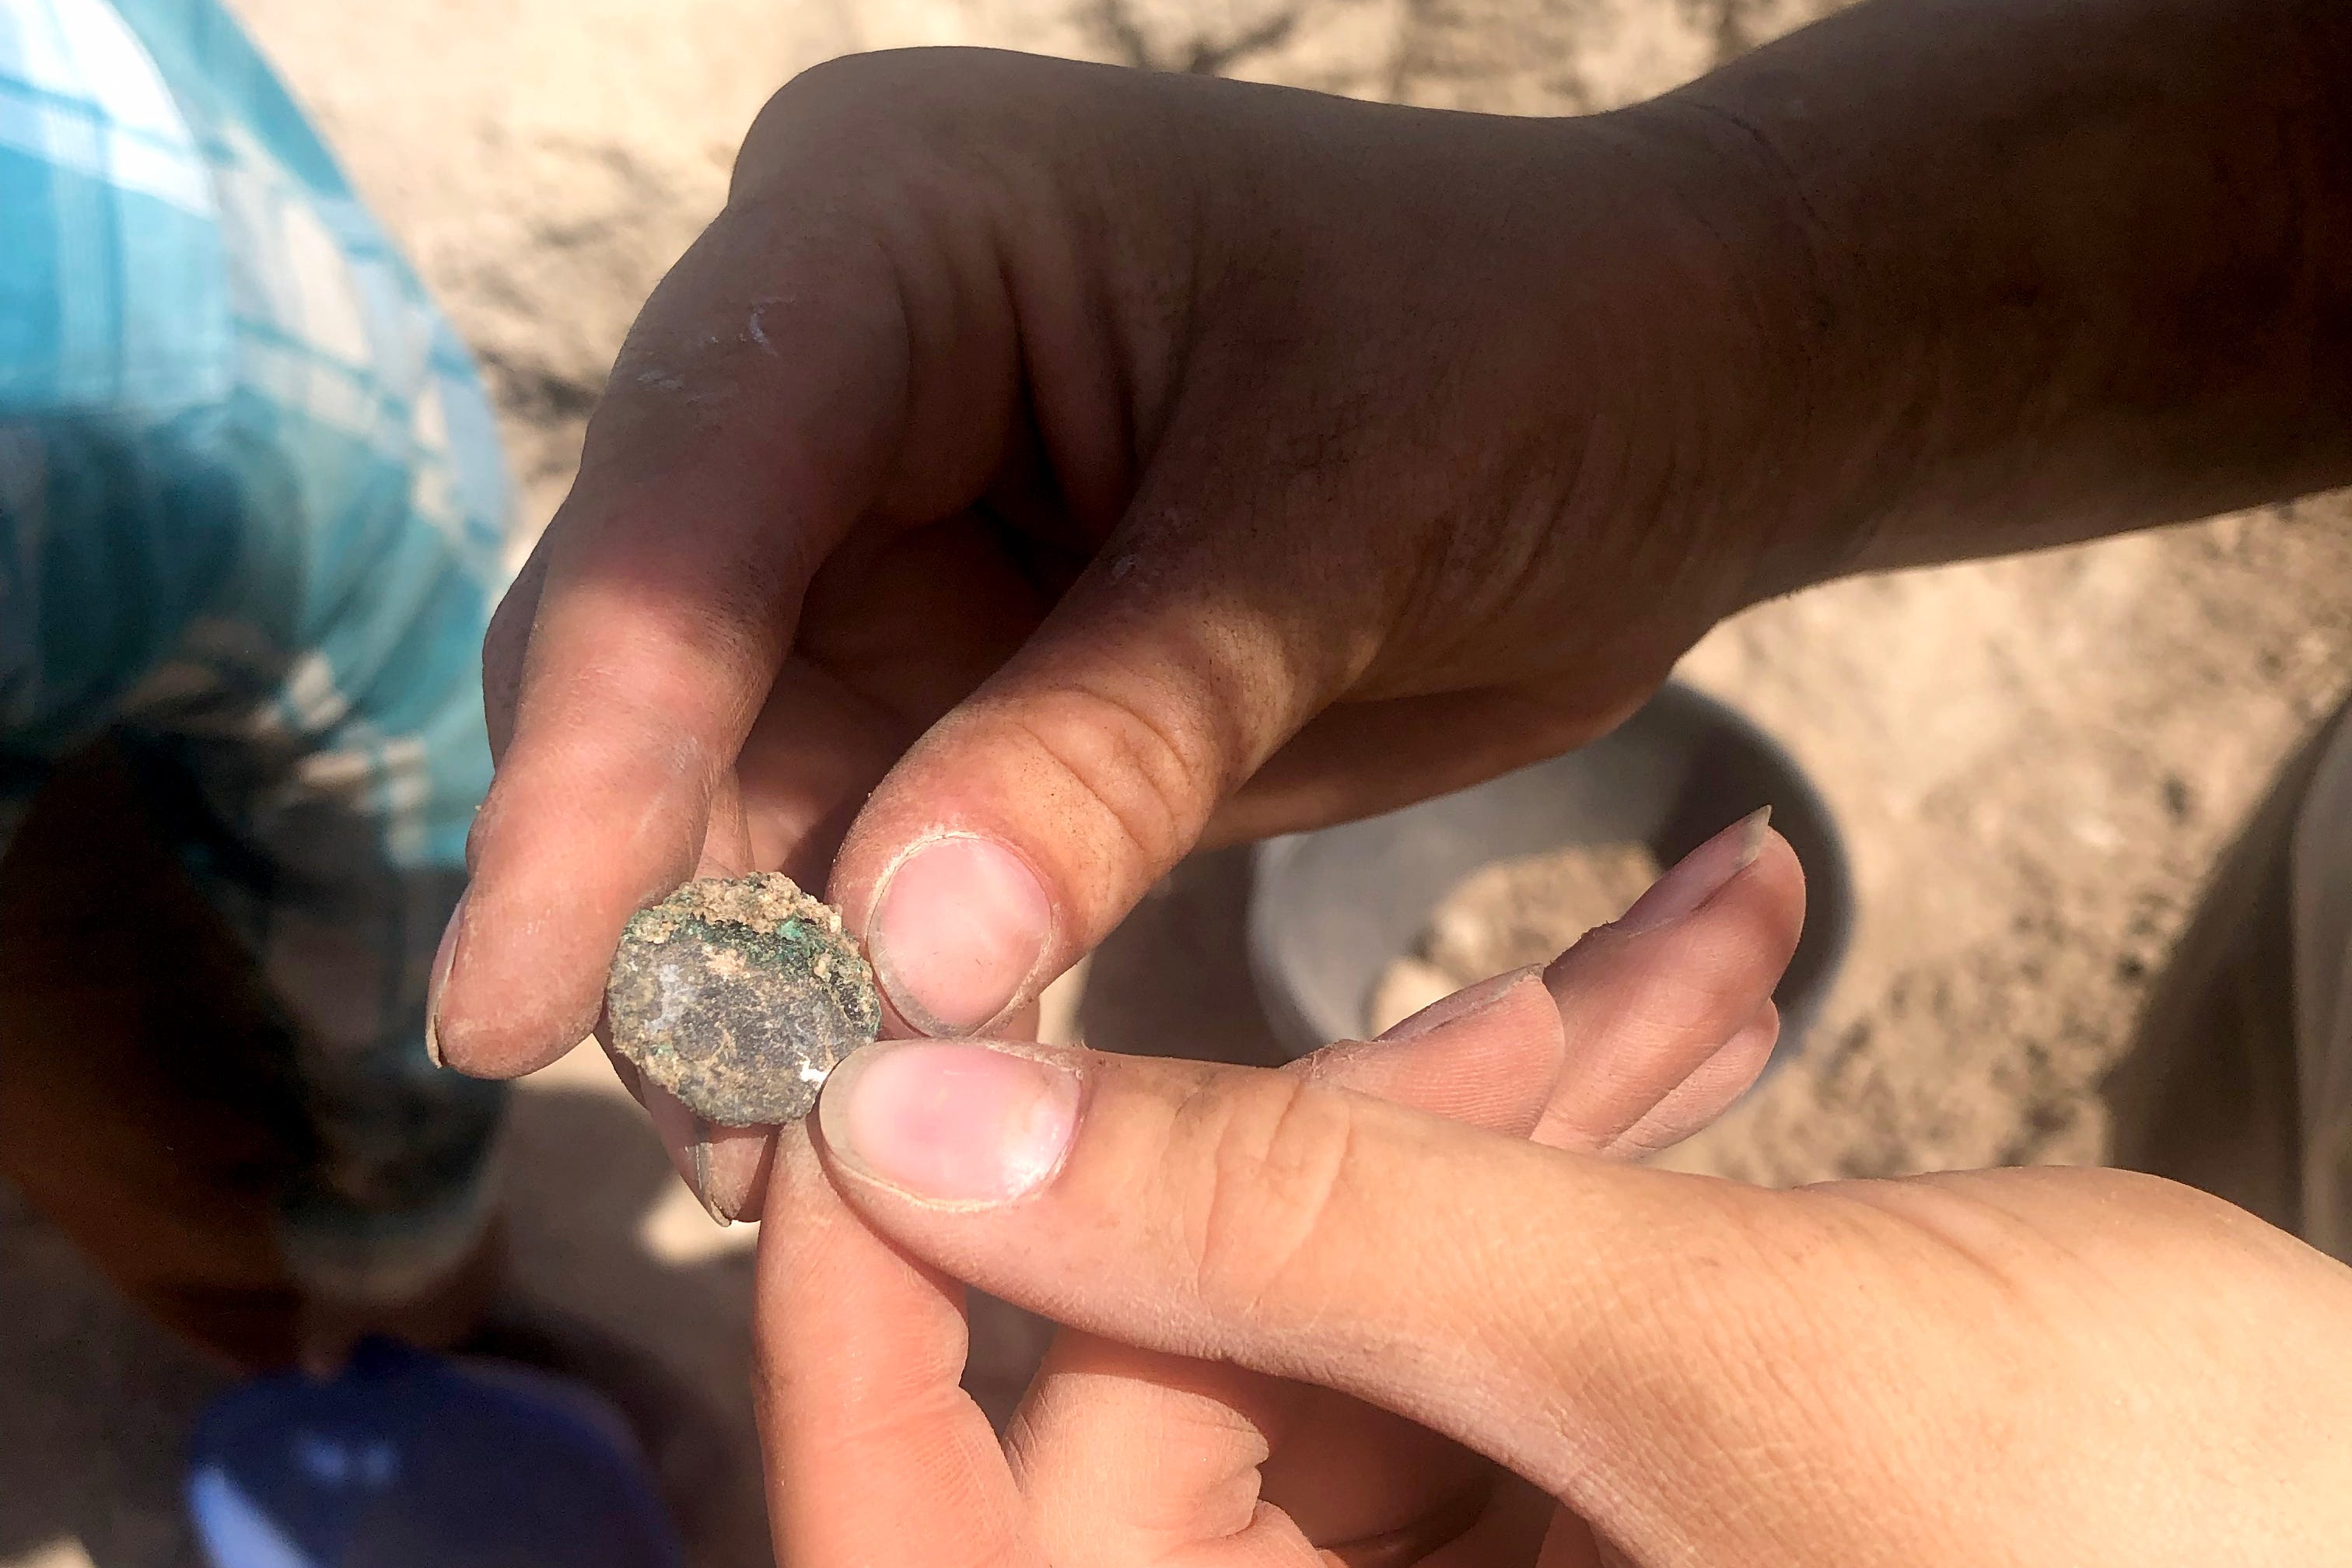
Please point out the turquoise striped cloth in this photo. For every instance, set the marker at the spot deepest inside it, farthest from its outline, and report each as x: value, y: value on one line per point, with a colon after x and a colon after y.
x: 252, y: 519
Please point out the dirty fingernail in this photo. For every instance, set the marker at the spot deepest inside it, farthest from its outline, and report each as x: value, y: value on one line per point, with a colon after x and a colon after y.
x: 1468, y: 1002
x: 1699, y: 875
x: 438, y: 979
x: 731, y: 1164
x: 686, y: 1139
x: 958, y: 928
x: 950, y: 1123
x: 705, y: 1187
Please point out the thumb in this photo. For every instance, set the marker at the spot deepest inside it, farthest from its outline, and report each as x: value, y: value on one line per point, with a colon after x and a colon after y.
x: 1540, y: 1307
x: 1028, y: 821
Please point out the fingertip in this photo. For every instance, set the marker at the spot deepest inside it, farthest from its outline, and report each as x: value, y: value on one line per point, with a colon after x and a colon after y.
x: 1723, y: 922
x: 1026, y: 822
x: 1779, y: 878
x: 1649, y: 1003
x: 573, y: 840
x: 678, y: 1132
x: 961, y: 925
x: 1713, y: 1087
x: 736, y: 1167
x: 485, y: 1028
x: 1486, y: 1056
x: 725, y: 1168
x: 951, y: 1124
x: 484, y: 1031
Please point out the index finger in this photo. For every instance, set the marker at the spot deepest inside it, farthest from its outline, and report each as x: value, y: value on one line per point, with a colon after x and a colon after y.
x: 742, y: 433
x: 874, y: 1453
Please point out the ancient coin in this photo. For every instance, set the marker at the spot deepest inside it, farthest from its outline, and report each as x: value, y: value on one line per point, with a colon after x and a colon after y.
x: 738, y: 995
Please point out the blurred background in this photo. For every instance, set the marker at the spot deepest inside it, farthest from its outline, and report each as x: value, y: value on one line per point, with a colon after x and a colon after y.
x: 2033, y: 763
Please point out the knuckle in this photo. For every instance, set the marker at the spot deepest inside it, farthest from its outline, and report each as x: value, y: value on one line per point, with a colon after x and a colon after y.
x: 1150, y: 774
x: 870, y: 104
x: 1276, y: 1157
x: 851, y: 81
x: 846, y: 84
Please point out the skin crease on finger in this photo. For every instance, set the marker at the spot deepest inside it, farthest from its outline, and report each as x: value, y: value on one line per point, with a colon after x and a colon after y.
x: 1951, y: 414
x: 1703, y: 235
x: 727, y: 1167
x: 1201, y: 1441
x: 1654, y: 1332
x: 978, y: 263
x: 1624, y: 1005
x: 1596, y: 991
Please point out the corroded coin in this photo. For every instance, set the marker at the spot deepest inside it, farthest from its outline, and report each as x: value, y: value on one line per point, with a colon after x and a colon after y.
x: 738, y: 995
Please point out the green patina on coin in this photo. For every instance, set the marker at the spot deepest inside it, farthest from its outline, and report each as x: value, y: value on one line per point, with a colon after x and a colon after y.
x: 738, y: 995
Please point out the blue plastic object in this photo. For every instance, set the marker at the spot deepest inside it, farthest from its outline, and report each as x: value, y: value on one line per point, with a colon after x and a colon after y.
x: 412, y: 1460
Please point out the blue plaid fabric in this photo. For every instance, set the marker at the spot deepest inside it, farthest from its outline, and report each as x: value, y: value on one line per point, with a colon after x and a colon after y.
x: 252, y: 516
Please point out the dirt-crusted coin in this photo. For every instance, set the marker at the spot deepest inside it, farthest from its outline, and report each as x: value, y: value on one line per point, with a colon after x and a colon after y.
x: 738, y: 995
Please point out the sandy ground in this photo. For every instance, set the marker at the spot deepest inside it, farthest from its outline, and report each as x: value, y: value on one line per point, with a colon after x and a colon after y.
x: 2035, y: 761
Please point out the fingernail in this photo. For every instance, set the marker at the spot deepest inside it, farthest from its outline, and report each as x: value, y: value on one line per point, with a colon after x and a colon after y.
x: 686, y: 1139
x: 1468, y: 1002
x: 704, y: 1187
x: 730, y: 1165
x: 949, y: 1122
x: 443, y: 957
x: 958, y: 928
x: 1699, y: 875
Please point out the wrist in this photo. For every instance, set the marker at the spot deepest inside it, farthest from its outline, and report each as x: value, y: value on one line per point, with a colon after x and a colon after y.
x: 2020, y: 275
x: 1769, y: 461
